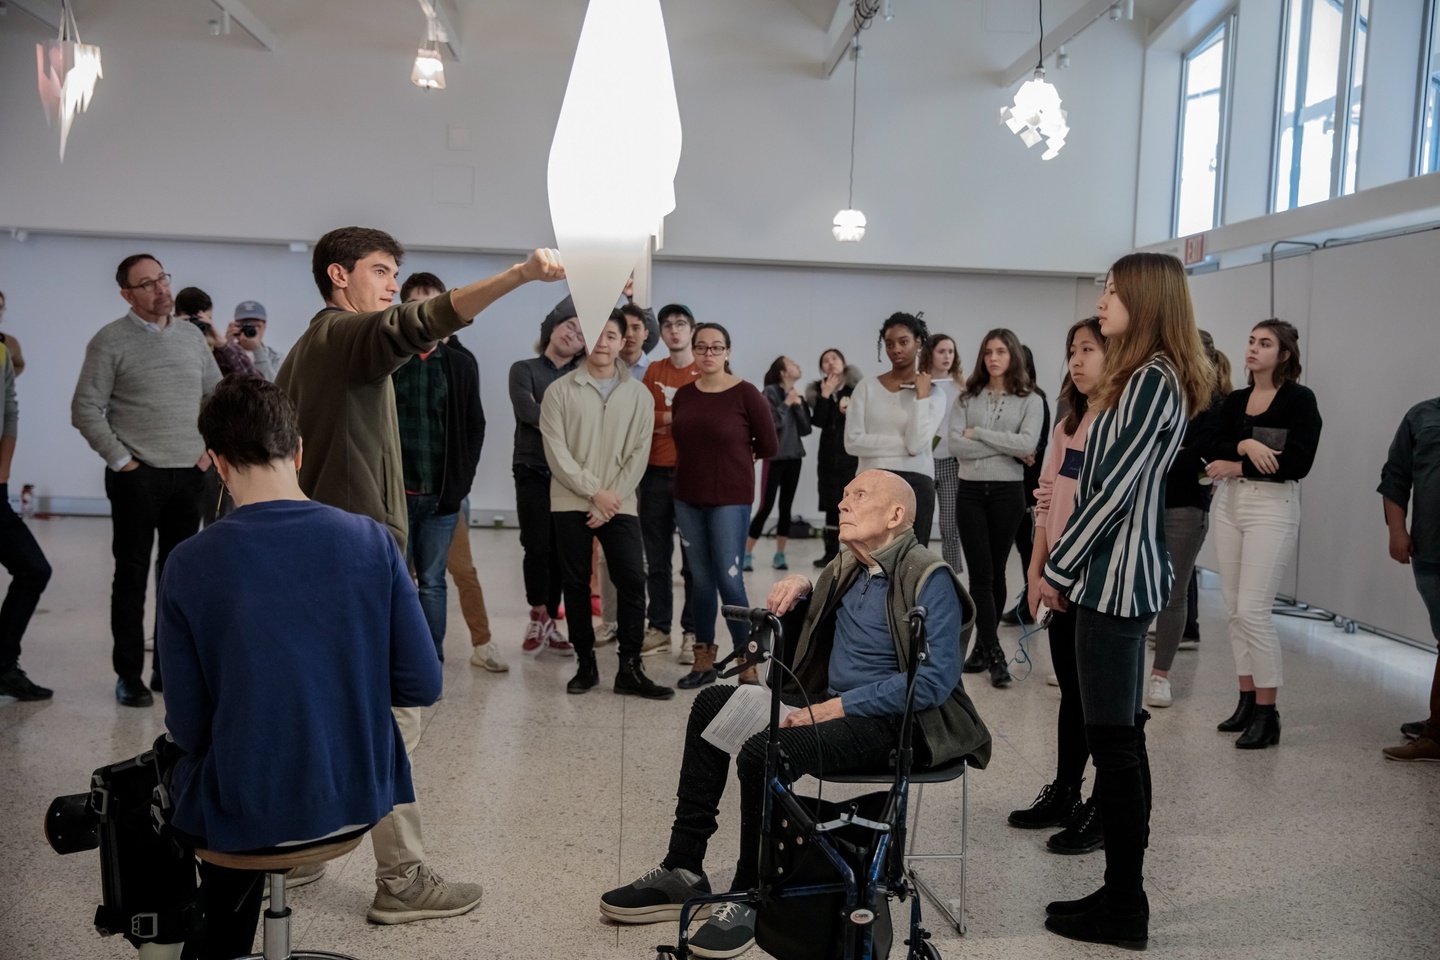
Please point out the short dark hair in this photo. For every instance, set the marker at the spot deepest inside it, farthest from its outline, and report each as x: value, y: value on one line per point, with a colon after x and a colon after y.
x: 1288, y: 369
x: 915, y: 323
x: 630, y: 310
x: 420, y: 281
x: 122, y: 272
x: 192, y: 301
x: 249, y: 421
x: 347, y: 246
x: 719, y: 329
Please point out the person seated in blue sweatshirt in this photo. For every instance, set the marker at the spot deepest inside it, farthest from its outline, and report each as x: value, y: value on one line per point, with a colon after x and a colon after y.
x: 850, y: 664
x: 288, y: 629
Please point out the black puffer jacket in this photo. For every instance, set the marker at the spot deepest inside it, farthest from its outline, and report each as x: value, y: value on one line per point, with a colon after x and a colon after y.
x: 833, y: 464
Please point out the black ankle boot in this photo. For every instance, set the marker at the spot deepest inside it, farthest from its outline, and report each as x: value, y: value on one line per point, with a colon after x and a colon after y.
x: 1068, y: 908
x: 832, y: 546
x: 1084, y: 834
x: 1055, y: 804
x: 587, y: 677
x: 999, y: 670
x: 1106, y: 921
x: 1264, y: 729
x: 1240, y: 719
x: 979, y: 658
x: 632, y: 680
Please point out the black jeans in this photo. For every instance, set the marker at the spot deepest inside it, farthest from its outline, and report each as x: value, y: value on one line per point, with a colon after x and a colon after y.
x: 620, y: 539
x: 29, y: 572
x: 1110, y: 661
x: 782, y: 478
x: 1071, y: 751
x: 143, y: 502
x: 924, y: 488
x: 657, y: 526
x: 849, y: 743
x: 540, y: 566
x: 988, y: 513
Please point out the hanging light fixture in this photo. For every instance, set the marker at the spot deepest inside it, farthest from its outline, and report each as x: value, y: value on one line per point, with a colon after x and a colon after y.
x: 1036, y: 113
x: 849, y: 224
x: 429, y: 70
x: 66, y: 71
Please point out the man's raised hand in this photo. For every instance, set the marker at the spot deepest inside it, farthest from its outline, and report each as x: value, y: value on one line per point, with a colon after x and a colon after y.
x: 543, y: 264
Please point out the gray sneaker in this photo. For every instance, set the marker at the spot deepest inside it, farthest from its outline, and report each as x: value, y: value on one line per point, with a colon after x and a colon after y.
x: 656, y: 897
x: 428, y: 898
x: 729, y: 932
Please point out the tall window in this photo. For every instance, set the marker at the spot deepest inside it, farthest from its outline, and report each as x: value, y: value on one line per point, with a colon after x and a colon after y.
x: 1204, y: 112
x: 1427, y: 158
x: 1315, y: 91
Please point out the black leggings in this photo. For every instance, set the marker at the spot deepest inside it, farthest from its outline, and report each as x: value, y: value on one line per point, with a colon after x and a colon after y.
x: 782, y: 477
x: 988, y: 513
x: 1071, y: 749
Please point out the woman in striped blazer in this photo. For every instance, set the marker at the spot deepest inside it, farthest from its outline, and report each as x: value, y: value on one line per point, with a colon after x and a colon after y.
x: 1112, y: 564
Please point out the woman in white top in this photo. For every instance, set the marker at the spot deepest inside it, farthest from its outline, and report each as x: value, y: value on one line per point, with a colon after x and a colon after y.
x: 994, y: 427
x: 940, y: 359
x: 893, y: 417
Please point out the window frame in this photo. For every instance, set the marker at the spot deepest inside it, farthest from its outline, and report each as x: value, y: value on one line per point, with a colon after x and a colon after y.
x: 1227, y: 22
x: 1428, y: 77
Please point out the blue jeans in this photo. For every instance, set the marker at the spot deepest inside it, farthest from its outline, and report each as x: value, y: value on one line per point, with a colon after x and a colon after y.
x: 429, y: 545
x: 1110, y: 662
x: 713, y: 539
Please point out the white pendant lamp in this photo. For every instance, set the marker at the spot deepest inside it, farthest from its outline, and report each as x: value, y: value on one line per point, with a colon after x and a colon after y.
x: 849, y: 224
x: 66, y: 71
x: 429, y: 70
x: 1036, y: 113
x: 606, y: 199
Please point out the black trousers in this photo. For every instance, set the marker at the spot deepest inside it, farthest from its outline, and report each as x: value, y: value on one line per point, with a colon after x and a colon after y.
x: 924, y: 488
x: 657, y: 526
x: 624, y: 552
x: 849, y: 743
x: 540, y: 566
x: 1071, y: 749
x: 29, y: 572
x: 145, y: 502
x: 988, y: 513
x: 782, y: 479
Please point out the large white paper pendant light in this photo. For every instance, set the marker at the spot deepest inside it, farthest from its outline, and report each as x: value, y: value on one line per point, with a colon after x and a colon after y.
x: 615, y: 152
x: 67, y: 70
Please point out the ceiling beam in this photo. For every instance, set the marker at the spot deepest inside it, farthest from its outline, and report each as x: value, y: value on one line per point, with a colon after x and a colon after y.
x: 445, y: 15
x: 43, y: 10
x: 1061, y: 35
x: 250, y: 23
x: 854, y: 23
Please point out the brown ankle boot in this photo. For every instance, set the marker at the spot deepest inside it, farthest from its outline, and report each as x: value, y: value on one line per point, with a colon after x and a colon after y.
x: 703, y: 671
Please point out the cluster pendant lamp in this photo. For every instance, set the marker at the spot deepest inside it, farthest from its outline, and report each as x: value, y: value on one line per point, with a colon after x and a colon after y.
x: 1036, y: 113
x: 605, y: 202
x: 849, y: 224
x: 429, y: 70
x: 66, y: 70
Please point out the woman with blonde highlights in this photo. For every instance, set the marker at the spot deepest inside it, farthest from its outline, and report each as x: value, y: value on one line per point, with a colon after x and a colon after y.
x: 1111, y: 563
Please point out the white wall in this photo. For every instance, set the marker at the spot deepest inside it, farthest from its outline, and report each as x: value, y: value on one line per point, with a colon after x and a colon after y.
x: 1369, y: 341
x: 60, y: 290
x: 196, y: 136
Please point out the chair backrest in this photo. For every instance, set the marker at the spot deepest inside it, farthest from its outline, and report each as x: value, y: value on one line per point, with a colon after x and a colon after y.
x: 272, y: 861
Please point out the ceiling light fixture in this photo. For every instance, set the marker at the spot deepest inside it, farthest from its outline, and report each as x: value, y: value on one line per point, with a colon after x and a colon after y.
x: 849, y: 224
x: 429, y: 70
x: 1036, y: 113
x: 66, y: 71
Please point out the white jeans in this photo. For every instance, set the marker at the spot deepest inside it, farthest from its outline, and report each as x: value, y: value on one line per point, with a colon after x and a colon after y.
x: 1254, y: 524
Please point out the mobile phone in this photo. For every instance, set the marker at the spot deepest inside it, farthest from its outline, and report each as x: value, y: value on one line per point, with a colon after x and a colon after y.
x: 1042, y: 614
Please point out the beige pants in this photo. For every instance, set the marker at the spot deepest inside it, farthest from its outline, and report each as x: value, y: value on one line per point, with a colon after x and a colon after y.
x: 467, y: 583
x: 399, y: 846
x: 1255, y: 523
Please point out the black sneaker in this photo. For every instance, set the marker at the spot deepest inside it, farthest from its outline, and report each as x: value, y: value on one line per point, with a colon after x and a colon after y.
x: 1085, y: 834
x: 729, y: 932
x: 14, y: 683
x: 131, y: 692
x: 1055, y: 804
x: 1410, y: 731
x: 655, y: 897
x: 632, y: 680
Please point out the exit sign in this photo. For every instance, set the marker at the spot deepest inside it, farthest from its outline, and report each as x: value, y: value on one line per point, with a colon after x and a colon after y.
x: 1194, y: 249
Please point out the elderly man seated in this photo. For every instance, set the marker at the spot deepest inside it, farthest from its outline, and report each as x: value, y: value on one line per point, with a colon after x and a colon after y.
x: 850, y: 659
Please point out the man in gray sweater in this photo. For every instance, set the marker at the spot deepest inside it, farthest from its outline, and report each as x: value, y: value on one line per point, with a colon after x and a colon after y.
x: 137, y: 403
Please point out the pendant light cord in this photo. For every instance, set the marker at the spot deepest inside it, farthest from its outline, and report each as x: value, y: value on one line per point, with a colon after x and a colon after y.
x: 854, y: 102
x: 1040, y: 47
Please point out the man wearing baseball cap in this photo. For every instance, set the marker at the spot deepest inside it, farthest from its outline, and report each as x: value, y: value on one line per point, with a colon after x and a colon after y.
x: 248, y: 330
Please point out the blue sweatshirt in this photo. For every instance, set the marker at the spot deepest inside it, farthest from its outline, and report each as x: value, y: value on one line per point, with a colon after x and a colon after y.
x: 864, y: 671
x: 287, y: 631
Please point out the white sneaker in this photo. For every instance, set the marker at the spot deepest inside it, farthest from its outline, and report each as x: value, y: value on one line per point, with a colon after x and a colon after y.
x: 656, y: 641
x: 1157, y: 691
x: 485, y: 656
x: 607, y: 634
x: 687, y: 647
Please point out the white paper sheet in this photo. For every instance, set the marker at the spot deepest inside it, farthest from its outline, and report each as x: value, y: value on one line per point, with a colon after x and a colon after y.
x: 745, y: 714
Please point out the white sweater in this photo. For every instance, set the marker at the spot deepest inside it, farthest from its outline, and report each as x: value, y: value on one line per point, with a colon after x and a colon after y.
x: 892, y: 431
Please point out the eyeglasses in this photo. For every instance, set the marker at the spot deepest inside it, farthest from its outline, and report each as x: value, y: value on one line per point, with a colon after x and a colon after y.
x: 675, y: 324
x: 715, y: 348
x: 149, y: 285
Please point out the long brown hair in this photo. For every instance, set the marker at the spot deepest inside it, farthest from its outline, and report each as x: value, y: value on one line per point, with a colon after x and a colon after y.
x: 1221, y: 363
x: 927, y: 357
x: 1154, y: 291
x: 1017, y: 381
x: 1287, y: 368
x: 1075, y: 402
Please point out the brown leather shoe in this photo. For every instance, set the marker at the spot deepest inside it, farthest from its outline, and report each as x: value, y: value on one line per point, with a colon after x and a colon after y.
x: 1421, y: 748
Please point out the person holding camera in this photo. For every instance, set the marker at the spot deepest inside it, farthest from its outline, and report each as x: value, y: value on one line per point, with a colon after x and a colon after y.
x: 195, y: 306
x: 248, y: 330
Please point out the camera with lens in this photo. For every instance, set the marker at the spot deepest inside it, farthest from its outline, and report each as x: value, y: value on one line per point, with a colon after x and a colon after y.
x: 249, y: 330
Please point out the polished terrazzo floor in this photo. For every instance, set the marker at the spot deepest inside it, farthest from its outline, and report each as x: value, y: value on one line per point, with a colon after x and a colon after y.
x: 1317, y: 849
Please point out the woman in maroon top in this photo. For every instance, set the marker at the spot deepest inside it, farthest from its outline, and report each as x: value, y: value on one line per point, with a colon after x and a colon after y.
x: 721, y: 425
